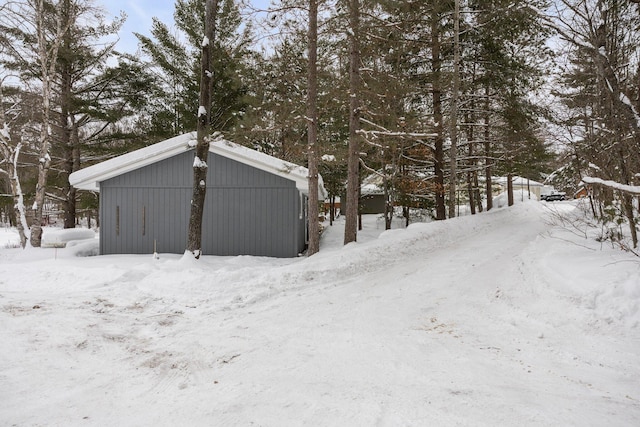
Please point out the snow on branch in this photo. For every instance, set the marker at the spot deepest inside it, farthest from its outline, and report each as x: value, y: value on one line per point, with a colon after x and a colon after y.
x: 630, y: 189
x: 377, y: 133
x: 386, y: 132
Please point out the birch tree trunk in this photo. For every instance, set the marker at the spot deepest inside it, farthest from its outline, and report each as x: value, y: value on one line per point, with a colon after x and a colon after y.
x: 353, y: 163
x: 47, y: 57
x: 10, y: 154
x: 312, y: 129
x: 194, y: 232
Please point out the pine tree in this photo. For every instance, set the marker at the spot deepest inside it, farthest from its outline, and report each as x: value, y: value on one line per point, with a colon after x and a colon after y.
x: 175, y: 57
x: 506, y: 43
x: 92, y: 97
x: 274, y: 120
x: 603, y: 41
x: 34, y: 32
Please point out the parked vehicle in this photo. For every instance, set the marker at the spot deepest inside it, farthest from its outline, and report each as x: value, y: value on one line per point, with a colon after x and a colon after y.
x: 553, y: 197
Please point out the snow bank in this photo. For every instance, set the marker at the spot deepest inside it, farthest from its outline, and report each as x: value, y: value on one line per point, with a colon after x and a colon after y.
x: 616, y: 305
x: 9, y: 238
x: 58, y: 238
x: 519, y: 195
x: 502, y: 318
x: 83, y: 248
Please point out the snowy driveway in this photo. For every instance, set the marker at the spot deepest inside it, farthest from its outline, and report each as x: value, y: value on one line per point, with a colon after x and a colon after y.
x: 498, y: 319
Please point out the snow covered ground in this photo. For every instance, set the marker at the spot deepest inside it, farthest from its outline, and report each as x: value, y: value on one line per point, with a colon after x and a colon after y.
x: 506, y: 318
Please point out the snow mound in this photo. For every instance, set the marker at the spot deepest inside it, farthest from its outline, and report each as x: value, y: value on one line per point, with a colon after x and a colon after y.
x: 9, y: 238
x: 83, y: 248
x: 502, y: 201
x: 60, y: 238
x: 617, y: 304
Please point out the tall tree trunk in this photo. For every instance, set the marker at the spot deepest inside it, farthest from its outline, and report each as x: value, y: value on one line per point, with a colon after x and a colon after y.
x: 472, y: 201
x: 312, y: 129
x: 18, y: 198
x: 47, y: 57
x: 332, y: 209
x: 353, y: 163
x: 65, y: 124
x: 627, y: 202
x: 487, y: 152
x: 472, y: 176
x: 11, y: 155
x: 627, y: 199
x: 438, y: 117
x: 510, y: 189
x: 406, y: 214
x: 476, y: 187
x: 388, y: 204
x: 75, y: 156
x: 453, y: 154
x: 194, y: 234
x: 471, y: 136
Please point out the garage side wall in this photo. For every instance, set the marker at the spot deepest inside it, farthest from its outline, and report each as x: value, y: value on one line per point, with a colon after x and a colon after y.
x: 248, y: 211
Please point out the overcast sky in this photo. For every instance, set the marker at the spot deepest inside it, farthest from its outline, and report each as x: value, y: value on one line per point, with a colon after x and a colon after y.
x: 139, y: 14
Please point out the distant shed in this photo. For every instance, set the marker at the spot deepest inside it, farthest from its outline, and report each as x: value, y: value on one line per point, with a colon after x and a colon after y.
x: 256, y: 204
x: 372, y: 197
x: 521, y: 184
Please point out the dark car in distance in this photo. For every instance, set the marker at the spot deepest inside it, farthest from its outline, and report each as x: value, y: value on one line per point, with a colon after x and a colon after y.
x: 553, y: 197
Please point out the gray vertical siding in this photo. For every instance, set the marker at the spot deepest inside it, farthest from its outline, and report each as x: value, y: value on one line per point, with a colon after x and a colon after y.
x: 248, y: 211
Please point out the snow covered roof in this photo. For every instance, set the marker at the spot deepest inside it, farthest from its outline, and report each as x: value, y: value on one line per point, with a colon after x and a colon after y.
x: 518, y: 180
x: 372, y: 185
x: 90, y: 177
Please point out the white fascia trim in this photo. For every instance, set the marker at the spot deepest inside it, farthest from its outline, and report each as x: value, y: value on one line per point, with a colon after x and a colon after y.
x: 89, y: 178
x: 262, y: 161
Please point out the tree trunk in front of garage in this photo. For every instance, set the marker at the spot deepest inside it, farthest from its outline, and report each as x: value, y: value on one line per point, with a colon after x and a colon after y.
x: 194, y: 233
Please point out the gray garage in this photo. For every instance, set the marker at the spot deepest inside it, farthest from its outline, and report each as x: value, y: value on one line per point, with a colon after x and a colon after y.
x: 255, y: 204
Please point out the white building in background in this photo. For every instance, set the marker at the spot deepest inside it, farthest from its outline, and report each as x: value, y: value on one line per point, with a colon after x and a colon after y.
x: 524, y: 185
